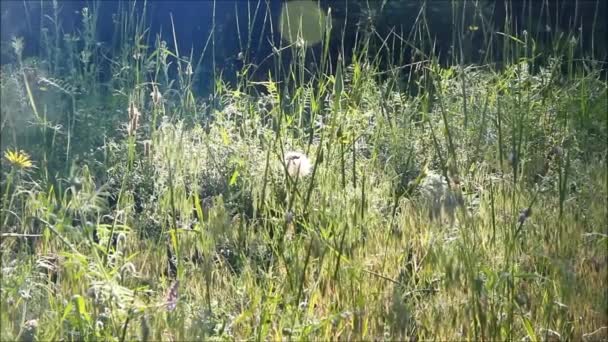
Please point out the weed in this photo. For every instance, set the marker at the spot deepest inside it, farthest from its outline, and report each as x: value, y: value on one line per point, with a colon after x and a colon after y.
x: 149, y: 212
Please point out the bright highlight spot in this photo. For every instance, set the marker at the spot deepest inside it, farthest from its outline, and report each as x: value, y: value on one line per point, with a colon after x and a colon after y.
x: 302, y: 19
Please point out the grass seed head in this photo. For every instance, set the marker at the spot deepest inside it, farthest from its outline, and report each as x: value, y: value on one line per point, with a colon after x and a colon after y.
x: 156, y: 95
x: 134, y: 115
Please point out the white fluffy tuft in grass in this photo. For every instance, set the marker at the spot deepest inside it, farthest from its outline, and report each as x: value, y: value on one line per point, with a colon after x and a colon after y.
x: 297, y: 164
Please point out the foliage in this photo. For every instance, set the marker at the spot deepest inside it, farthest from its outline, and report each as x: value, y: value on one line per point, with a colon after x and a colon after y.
x: 443, y: 202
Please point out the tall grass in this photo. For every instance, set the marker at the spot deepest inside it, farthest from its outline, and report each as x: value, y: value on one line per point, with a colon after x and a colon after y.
x: 153, y: 214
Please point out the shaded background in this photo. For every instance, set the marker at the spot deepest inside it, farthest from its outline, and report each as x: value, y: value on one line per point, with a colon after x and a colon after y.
x: 545, y: 20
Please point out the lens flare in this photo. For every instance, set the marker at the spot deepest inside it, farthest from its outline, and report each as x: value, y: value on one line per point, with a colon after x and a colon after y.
x: 302, y: 21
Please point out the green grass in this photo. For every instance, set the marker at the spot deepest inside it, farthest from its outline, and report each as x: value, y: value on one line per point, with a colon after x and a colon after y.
x: 348, y: 251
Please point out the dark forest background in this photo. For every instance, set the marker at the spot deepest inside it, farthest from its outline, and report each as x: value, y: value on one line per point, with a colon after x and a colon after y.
x: 546, y: 20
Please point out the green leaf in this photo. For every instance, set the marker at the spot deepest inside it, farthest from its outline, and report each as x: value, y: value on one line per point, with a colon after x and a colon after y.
x: 225, y: 137
x: 67, y: 310
x: 511, y: 37
x: 529, y: 328
x: 339, y: 85
x: 235, y: 176
x: 199, y: 208
x: 80, y: 305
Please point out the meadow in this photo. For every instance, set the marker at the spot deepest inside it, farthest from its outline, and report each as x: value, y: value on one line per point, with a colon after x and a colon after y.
x: 383, y: 196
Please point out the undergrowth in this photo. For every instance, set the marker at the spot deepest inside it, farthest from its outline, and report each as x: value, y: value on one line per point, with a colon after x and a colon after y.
x: 445, y: 202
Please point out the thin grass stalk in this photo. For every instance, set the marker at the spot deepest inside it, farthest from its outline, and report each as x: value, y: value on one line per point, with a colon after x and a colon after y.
x: 340, y: 253
x: 213, y: 45
x: 451, y: 149
x: 563, y: 173
x: 493, y: 214
x: 6, y: 205
x: 302, y: 279
x: 342, y: 166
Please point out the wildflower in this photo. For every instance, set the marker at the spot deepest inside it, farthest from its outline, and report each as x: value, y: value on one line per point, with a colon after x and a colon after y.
x: 157, y: 97
x: 18, y: 159
x: 297, y: 164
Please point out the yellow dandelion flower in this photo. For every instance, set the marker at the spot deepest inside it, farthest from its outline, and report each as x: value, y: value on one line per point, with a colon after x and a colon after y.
x: 18, y: 159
